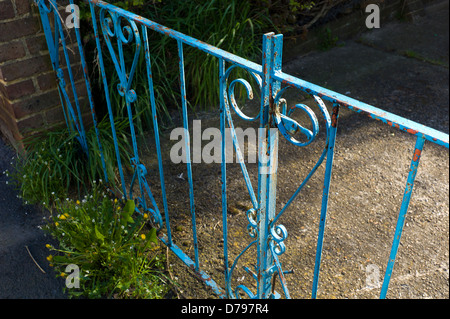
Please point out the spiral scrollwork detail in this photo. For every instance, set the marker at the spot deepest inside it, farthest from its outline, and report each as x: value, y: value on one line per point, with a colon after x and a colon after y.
x: 230, y: 96
x: 289, y: 127
x: 128, y: 34
x: 279, y: 234
x: 252, y: 227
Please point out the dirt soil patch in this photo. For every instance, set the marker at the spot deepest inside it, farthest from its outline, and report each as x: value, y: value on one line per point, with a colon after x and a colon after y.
x: 370, y: 169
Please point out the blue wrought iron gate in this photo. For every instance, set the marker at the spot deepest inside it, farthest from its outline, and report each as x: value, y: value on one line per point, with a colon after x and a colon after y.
x: 274, y: 117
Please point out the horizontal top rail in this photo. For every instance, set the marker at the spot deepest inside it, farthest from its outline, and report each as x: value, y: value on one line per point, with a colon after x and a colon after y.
x: 391, y: 119
x: 217, y: 52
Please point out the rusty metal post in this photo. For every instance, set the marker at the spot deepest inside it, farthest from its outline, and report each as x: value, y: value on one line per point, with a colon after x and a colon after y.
x: 268, y: 163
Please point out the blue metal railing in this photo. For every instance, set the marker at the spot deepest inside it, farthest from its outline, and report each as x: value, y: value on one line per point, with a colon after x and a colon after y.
x: 274, y: 116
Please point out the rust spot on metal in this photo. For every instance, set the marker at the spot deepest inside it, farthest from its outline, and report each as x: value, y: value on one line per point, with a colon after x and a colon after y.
x: 417, y: 154
x: 412, y: 131
x: 334, y: 116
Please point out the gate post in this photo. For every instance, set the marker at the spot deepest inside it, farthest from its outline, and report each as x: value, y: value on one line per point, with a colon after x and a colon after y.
x: 267, y: 162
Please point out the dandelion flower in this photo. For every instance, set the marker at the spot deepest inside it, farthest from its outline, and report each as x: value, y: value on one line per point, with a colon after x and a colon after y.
x: 143, y: 236
x: 145, y: 216
x: 62, y: 217
x: 63, y: 274
x: 115, y: 201
x: 78, y: 202
x: 49, y: 257
x: 48, y: 246
x: 56, y: 224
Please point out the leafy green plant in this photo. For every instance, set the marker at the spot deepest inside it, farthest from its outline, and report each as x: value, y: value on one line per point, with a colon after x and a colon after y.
x: 115, y: 250
x: 55, y: 165
x: 296, y: 5
x: 327, y: 40
x: 232, y: 25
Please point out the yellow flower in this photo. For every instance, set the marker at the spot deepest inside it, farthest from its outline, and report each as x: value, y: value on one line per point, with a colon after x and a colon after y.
x: 143, y: 236
x: 56, y: 224
x: 62, y: 217
x: 115, y: 200
x: 49, y: 257
x: 145, y: 216
x: 78, y: 202
x: 48, y: 246
x: 63, y: 274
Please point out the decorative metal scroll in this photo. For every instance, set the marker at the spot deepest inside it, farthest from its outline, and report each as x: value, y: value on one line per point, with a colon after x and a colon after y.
x: 121, y: 29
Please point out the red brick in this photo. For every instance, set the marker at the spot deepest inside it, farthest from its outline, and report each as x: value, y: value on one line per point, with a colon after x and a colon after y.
x: 6, y: 10
x: 36, y: 104
x: 25, y: 68
x: 6, y: 105
x: 11, y: 51
x: 10, y: 130
x: 73, y: 54
x: 18, y: 28
x: 23, y: 6
x: 54, y: 115
x: 30, y: 124
x: 80, y: 88
x: 8, y: 119
x: 47, y: 81
x: 37, y: 45
x: 17, y: 90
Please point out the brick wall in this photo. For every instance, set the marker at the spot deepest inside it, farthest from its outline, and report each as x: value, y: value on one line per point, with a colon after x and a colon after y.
x: 29, y: 98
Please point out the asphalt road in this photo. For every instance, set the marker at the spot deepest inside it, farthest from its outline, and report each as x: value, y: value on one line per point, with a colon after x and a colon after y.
x: 20, y: 275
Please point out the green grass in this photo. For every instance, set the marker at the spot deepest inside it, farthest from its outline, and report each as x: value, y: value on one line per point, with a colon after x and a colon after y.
x: 116, y: 251
x: 232, y: 25
x: 55, y: 165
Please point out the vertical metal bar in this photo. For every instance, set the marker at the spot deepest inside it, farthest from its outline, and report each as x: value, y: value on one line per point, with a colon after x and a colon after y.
x: 91, y: 101
x: 156, y: 132
x: 239, y: 155
x: 188, y: 149
x: 48, y: 34
x: 402, y: 215
x: 81, y: 131
x: 223, y: 118
x: 267, y: 176
x: 108, y: 101
x: 63, y: 106
x: 325, y: 195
